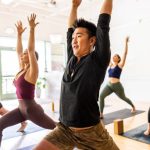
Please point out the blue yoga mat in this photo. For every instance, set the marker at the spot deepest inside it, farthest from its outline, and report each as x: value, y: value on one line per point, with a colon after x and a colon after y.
x: 120, y: 114
x: 138, y: 134
x: 27, y: 148
x: 11, y: 132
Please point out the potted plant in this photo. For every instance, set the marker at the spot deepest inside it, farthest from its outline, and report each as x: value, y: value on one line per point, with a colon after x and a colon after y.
x: 41, y: 84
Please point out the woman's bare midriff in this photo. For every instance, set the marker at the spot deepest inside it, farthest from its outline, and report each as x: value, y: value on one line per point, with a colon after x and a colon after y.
x: 114, y: 80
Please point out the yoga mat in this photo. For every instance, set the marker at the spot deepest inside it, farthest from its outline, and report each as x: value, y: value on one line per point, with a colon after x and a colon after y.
x: 138, y: 134
x: 11, y: 132
x: 120, y: 114
x: 27, y: 148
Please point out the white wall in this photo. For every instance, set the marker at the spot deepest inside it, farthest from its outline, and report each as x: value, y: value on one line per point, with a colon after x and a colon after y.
x: 133, y: 18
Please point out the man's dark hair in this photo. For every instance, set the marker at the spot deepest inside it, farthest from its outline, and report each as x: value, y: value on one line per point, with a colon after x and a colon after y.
x: 91, y: 28
x: 37, y: 55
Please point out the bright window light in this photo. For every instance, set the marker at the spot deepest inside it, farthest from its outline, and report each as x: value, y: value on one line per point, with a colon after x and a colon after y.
x: 55, y: 38
x: 6, y: 2
x: 9, y: 30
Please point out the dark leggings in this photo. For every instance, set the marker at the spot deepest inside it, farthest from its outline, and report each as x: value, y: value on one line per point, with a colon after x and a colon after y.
x: 118, y: 89
x: 149, y: 115
x: 27, y: 110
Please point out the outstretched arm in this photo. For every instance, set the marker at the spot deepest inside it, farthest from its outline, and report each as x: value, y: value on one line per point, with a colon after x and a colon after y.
x: 102, y: 47
x: 33, y: 72
x: 71, y: 20
x: 73, y: 12
x: 106, y: 7
x: 19, y: 47
x: 122, y: 63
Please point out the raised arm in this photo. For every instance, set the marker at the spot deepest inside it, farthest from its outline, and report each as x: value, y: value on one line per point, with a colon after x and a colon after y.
x: 102, y: 47
x: 19, y: 47
x: 106, y: 7
x: 71, y: 20
x: 122, y: 63
x: 73, y: 12
x: 33, y: 71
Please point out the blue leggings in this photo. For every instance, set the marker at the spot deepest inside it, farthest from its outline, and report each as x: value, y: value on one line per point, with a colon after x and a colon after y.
x: 27, y: 110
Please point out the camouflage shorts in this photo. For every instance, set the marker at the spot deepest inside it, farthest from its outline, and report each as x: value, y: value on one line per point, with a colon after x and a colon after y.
x: 93, y: 138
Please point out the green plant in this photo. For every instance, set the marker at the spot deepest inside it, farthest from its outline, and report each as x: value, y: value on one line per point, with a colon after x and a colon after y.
x: 41, y: 83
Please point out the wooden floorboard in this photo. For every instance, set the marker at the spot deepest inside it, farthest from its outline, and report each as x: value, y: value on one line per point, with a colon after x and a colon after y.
x: 129, y: 123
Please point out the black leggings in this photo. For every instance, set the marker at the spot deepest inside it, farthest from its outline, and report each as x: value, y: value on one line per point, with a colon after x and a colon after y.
x: 149, y: 115
x: 27, y: 110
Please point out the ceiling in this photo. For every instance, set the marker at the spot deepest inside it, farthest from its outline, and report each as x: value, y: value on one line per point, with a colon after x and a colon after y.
x: 53, y: 18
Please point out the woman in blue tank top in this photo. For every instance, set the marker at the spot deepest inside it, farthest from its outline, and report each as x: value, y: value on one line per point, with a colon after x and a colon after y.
x: 25, y: 82
x: 114, y: 85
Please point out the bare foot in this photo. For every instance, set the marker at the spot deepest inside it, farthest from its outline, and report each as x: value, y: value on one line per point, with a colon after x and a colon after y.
x: 147, y: 132
x: 133, y: 110
x: 23, y: 126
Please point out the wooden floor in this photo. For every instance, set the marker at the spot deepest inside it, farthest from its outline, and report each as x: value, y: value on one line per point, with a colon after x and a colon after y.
x: 129, y: 123
x: 113, y: 104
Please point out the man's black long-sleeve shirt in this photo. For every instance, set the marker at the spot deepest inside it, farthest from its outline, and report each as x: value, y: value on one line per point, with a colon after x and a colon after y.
x: 81, y: 81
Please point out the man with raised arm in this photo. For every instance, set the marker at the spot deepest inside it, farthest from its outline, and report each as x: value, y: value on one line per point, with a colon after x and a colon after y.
x: 88, y: 49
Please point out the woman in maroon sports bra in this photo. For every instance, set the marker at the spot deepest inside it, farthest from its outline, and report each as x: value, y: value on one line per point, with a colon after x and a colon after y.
x: 25, y: 82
